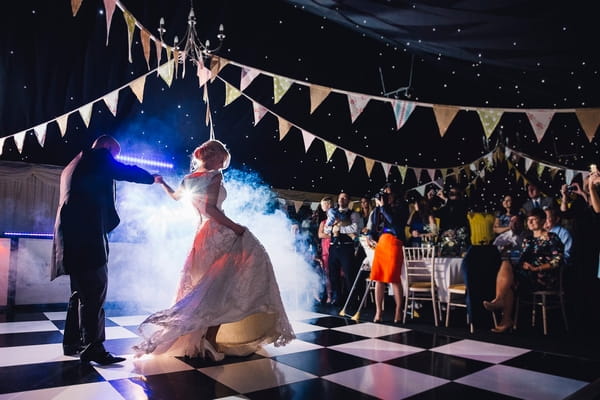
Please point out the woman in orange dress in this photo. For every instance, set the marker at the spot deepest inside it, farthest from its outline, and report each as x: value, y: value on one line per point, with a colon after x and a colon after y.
x: 388, y: 258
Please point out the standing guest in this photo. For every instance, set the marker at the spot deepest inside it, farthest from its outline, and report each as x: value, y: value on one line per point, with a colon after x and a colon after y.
x: 536, y: 199
x: 365, y: 211
x: 86, y: 215
x: 325, y: 204
x: 504, y: 216
x: 388, y: 258
x: 227, y: 278
x: 453, y: 214
x: 421, y: 223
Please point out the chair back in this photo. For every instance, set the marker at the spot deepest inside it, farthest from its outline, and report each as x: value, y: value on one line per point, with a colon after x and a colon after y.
x: 420, y: 264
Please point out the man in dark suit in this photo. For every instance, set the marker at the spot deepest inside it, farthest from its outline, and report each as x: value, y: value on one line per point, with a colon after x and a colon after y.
x: 86, y: 214
x: 536, y: 199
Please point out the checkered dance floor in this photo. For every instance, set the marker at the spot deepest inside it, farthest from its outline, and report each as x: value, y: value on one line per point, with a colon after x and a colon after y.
x: 332, y: 358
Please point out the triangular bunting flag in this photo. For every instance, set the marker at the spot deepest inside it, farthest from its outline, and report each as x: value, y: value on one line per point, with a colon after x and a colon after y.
x: 528, y: 162
x: 280, y: 87
x: 130, y: 21
x: 444, y: 115
x: 489, y: 120
x: 109, y: 6
x: 86, y: 113
x: 431, y: 173
x: 284, y: 127
x: 259, y: 112
x: 19, y: 139
x: 75, y: 4
x: 402, y: 169
x: 2, y: 139
x: 329, y: 149
x: 298, y: 204
x: 166, y: 71
x: 369, y: 163
x: 231, y: 93
x: 402, y: 110
x: 589, y: 118
x: 248, y: 75
x: 540, y: 170
x: 203, y: 73
x: 307, y: 138
x: 216, y: 65
x: 62, y: 124
x: 159, y: 48
x: 317, y: 95
x: 553, y: 172
x: 569, y: 175
x: 137, y: 87
x: 421, y: 190
x: 444, y: 172
x: 350, y: 157
x: 357, y: 103
x: 417, y: 172
x: 40, y: 134
x: 111, y: 101
x: 540, y: 120
x: 145, y: 39
x: 386, y: 168
x: 207, y: 117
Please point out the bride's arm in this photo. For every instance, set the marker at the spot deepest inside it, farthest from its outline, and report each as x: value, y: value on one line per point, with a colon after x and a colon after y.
x: 174, y: 194
x: 215, y: 212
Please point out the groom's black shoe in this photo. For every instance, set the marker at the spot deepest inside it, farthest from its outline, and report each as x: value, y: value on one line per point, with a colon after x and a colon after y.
x: 72, y: 349
x: 99, y: 355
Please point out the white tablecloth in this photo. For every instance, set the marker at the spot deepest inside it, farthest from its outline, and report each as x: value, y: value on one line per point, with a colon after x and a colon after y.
x: 447, y: 272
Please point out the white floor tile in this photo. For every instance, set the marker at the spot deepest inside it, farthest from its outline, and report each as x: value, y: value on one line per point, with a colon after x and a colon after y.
x: 255, y: 375
x: 88, y: 391
x: 26, y: 326
x: 117, y: 332
x: 56, y: 315
x: 21, y: 355
x: 482, y: 351
x: 130, y: 320
x: 386, y: 381
x: 143, y: 366
x: 295, y: 346
x: 300, y: 327
x: 297, y: 315
x: 370, y: 329
x: 376, y: 349
x: 521, y: 383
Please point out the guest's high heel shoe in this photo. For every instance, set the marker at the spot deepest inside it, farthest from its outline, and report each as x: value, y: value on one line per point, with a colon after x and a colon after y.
x: 211, y: 352
x: 503, y: 327
x: 492, y: 305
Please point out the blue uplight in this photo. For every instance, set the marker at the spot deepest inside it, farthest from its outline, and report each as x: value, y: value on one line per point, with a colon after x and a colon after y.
x: 143, y: 161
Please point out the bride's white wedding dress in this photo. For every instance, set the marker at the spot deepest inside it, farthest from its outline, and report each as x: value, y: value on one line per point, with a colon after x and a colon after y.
x: 227, y: 280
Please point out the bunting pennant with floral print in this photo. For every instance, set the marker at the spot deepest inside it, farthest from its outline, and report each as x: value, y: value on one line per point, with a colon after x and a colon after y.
x: 539, y: 119
x: 329, y: 149
x: 357, y: 104
x: 231, y: 93
x: 259, y: 112
x: 350, y: 158
x: 248, y: 75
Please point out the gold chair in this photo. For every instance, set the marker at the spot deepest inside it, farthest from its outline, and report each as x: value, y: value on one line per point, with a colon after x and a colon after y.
x: 420, y: 279
x: 459, y: 289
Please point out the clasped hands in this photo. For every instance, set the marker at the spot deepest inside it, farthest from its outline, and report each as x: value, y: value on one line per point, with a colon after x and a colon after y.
x: 533, y: 268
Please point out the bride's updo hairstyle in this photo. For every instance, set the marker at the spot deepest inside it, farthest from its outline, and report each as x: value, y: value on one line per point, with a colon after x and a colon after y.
x: 211, y: 150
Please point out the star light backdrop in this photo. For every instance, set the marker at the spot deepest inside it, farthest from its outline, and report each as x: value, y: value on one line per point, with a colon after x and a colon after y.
x: 511, y: 57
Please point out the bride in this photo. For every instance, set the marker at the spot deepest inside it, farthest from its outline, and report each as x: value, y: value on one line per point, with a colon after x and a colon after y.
x: 228, y: 300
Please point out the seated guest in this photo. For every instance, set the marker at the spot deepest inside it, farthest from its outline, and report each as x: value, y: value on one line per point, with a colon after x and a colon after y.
x: 503, y: 216
x: 537, y: 269
x: 536, y: 199
x: 509, y: 243
x: 552, y: 224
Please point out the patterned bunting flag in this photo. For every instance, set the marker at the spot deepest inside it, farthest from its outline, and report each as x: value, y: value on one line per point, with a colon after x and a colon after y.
x: 159, y: 48
x: 259, y: 112
x: 489, y: 120
x: 540, y: 170
x: 402, y: 169
x: 350, y: 157
x: 317, y: 95
x: 569, y: 175
x: 357, y: 104
x: 216, y: 65
x: 329, y: 149
x: 130, y: 21
x: 166, y: 71
x: 109, y: 6
x: 280, y: 87
x: 540, y: 120
x: 248, y: 75
x: 528, y: 162
x: 402, y: 110
x: 231, y: 93
x: 307, y: 138
x: 417, y: 172
x: 431, y: 173
x: 203, y: 73
x: 386, y: 169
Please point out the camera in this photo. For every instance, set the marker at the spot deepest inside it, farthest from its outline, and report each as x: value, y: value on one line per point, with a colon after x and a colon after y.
x: 381, y: 195
x: 571, y: 188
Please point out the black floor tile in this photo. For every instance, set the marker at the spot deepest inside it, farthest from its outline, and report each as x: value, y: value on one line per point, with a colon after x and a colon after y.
x: 46, y: 375
x: 30, y: 338
x: 322, y: 361
x: 570, y: 367
x: 22, y: 316
x: 330, y: 322
x: 177, y: 385
x: 309, y: 389
x: 200, y: 362
x: 328, y: 337
x: 440, y: 365
x: 60, y: 323
x: 424, y: 340
x: 453, y: 390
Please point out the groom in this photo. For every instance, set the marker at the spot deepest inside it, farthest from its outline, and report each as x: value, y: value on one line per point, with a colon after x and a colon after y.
x: 86, y: 214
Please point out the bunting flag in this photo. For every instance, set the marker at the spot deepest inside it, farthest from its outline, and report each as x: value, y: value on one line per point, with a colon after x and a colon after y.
x: 231, y: 93
x: 204, y: 74
x: 159, y: 48
x: 357, y: 104
x: 2, y: 140
x: 489, y: 119
x: 19, y: 139
x: 444, y: 115
x: 259, y: 112
x: 166, y: 71
x: 402, y: 169
x: 137, y: 87
x: 386, y: 169
x: 553, y: 172
x: 176, y: 58
x: 75, y: 4
x: 280, y: 87
x: 417, y: 172
x: 421, y: 190
x: 444, y: 172
x: 297, y: 205
x: 431, y: 173
x: 62, y: 124
x: 130, y: 21
x: 145, y: 39
x: 369, y: 163
x: 540, y: 119
x: 528, y: 162
x: 569, y: 175
x: 109, y: 6
x: 284, y: 127
x: 350, y: 157
x: 86, y: 113
x: 216, y: 65
x: 111, y: 101
x: 307, y: 138
x: 317, y: 95
x: 540, y: 170
x: 329, y: 149
x: 248, y: 75
x: 402, y: 110
x: 207, y: 116
x: 40, y: 134
x: 589, y: 118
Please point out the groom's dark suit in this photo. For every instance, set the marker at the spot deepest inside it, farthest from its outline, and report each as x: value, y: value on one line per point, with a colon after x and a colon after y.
x: 86, y: 214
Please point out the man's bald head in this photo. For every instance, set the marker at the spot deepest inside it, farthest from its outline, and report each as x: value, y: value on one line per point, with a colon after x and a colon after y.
x: 107, y: 142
